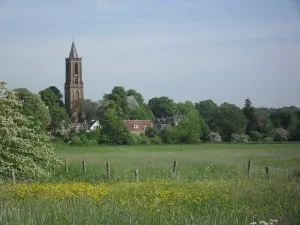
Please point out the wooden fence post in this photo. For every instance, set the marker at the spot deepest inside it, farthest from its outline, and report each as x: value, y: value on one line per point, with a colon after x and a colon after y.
x: 136, y: 175
x: 13, y: 176
x: 175, y: 167
x: 267, y: 172
x: 249, y: 168
x: 66, y: 166
x: 108, y: 170
x: 83, y: 166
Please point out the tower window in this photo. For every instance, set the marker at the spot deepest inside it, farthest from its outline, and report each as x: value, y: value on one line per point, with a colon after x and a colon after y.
x: 76, y: 68
x: 76, y: 79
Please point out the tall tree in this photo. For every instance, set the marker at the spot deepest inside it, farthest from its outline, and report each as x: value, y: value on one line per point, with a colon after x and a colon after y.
x: 90, y: 108
x: 282, y: 118
x: 23, y: 146
x: 231, y: 120
x: 208, y: 110
x: 113, y: 128
x: 59, y: 116
x: 118, y: 96
x: 33, y: 106
x: 162, y: 106
x: 138, y: 96
x: 142, y: 112
x: 184, y: 108
x: 191, y: 128
x: 249, y: 112
x: 58, y: 95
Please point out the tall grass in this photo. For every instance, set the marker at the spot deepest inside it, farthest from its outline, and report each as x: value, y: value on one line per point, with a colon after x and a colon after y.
x: 211, y: 187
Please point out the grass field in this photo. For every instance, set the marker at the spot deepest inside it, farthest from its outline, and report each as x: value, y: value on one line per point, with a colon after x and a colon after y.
x: 211, y: 186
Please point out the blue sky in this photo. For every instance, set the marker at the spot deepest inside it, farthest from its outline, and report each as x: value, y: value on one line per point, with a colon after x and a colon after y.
x: 185, y: 49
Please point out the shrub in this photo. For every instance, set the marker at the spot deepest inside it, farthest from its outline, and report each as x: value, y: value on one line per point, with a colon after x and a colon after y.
x: 24, y: 145
x: 141, y: 139
x: 93, y: 142
x: 75, y: 140
x: 132, y: 140
x: 255, y: 136
x: 214, y: 137
x: 281, y: 134
x: 239, y: 138
x: 156, y: 141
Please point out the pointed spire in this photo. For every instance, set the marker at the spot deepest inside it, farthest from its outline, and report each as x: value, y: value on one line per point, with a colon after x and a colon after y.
x: 73, y: 52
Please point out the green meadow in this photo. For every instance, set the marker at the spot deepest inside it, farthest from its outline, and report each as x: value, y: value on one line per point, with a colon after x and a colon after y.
x: 210, y: 186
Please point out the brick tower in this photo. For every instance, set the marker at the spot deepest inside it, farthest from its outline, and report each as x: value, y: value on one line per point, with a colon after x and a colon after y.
x: 73, y: 85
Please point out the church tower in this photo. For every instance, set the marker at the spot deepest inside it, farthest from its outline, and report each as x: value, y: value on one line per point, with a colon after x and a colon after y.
x: 73, y: 85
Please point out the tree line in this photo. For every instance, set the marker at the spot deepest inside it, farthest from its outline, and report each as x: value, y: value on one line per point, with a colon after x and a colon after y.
x: 203, y: 121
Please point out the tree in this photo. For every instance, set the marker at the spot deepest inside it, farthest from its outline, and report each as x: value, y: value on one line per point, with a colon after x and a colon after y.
x: 142, y: 112
x: 58, y: 95
x: 281, y: 134
x: 249, y: 112
x: 162, y: 106
x: 184, y: 108
x: 138, y: 96
x: 33, y: 106
x: 118, y: 96
x: 151, y: 132
x: 59, y: 116
x: 187, y: 131
x: 282, y: 118
x: 208, y: 110
x: 23, y: 147
x: 231, y: 120
x: 90, y: 108
x: 113, y: 128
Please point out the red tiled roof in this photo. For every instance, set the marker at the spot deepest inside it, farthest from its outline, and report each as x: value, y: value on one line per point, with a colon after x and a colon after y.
x: 137, y: 126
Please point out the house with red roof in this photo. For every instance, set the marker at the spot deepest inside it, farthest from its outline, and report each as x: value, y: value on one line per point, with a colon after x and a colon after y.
x: 137, y: 126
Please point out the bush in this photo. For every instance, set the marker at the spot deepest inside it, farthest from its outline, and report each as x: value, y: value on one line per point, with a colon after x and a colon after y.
x: 132, y: 140
x: 141, y: 139
x: 255, y: 136
x: 93, y: 142
x: 239, y: 138
x: 156, y: 141
x: 76, y: 141
x: 214, y: 137
x: 24, y: 145
x: 281, y: 134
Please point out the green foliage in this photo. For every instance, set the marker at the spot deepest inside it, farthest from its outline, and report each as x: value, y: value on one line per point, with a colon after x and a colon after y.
x: 152, y: 132
x: 231, y: 120
x: 249, y: 113
x: 155, y: 141
x: 52, y: 98
x: 282, y: 118
x: 23, y: 146
x: 281, y: 134
x: 187, y: 131
x: 113, y: 128
x: 33, y: 106
x: 90, y: 108
x: 255, y: 136
x: 141, y: 139
x: 208, y: 110
x: 118, y: 97
x: 76, y: 141
x: 162, y: 106
x: 239, y: 138
x: 183, y: 108
x: 138, y: 96
x: 190, y: 129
